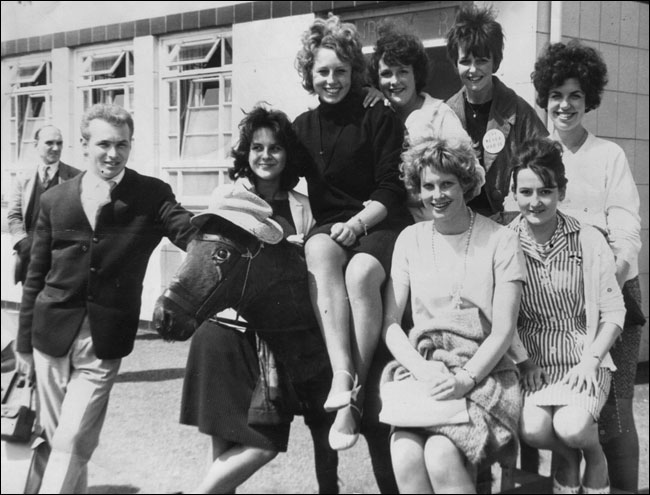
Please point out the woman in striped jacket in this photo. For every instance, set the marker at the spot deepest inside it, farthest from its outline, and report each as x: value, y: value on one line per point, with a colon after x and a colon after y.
x: 571, y: 313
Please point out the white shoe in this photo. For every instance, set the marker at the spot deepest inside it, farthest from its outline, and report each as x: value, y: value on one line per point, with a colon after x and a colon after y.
x: 343, y: 399
x: 343, y: 441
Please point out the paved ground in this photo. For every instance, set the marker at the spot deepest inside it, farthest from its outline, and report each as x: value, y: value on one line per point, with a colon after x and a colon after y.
x: 143, y: 449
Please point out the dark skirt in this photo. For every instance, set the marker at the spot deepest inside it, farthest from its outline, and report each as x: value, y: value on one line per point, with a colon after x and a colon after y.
x: 378, y: 243
x: 220, y: 377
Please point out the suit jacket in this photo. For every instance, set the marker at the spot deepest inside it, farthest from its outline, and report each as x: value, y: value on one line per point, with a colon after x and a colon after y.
x: 21, y: 195
x: 76, y: 270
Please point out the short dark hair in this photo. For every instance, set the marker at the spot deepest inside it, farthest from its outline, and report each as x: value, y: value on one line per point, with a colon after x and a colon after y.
x: 559, y: 62
x: 278, y: 122
x: 450, y: 156
x: 477, y: 32
x: 399, y: 48
x: 544, y: 157
x: 343, y: 38
x: 113, y: 114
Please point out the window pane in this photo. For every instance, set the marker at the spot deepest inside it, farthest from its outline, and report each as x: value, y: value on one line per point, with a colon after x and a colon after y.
x: 12, y: 131
x: 204, y: 147
x: 118, y: 98
x: 173, y: 99
x: 227, y: 90
x: 173, y: 181
x: 37, y: 107
x: 173, y: 148
x: 13, y: 106
x: 227, y: 51
x: 227, y: 117
x: 211, y: 95
x: 202, y: 120
x: 173, y: 122
x: 199, y: 183
x: 227, y: 145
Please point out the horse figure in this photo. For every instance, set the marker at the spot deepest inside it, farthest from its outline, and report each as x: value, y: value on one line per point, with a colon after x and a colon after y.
x: 267, y: 284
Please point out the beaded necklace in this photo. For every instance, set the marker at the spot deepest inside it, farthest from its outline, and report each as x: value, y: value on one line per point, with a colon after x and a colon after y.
x: 458, y: 287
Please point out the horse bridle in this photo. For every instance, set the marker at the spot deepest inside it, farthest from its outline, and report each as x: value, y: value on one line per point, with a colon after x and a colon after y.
x: 201, y: 311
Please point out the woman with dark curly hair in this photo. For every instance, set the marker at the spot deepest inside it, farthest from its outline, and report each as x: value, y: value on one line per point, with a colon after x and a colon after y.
x: 495, y: 117
x: 222, y: 367
x: 358, y: 202
x: 569, y: 79
x: 571, y: 313
x: 399, y: 68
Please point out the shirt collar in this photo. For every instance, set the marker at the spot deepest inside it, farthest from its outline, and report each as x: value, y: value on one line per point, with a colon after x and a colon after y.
x: 92, y: 181
x: 54, y: 168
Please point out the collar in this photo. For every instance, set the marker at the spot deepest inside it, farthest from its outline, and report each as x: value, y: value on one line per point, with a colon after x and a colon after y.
x: 92, y: 181
x: 54, y: 168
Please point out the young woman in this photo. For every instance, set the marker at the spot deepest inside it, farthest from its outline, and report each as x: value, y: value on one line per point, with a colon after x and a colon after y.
x: 459, y: 267
x: 571, y: 312
x: 495, y: 117
x: 358, y: 202
x: 569, y: 80
x: 399, y: 68
x: 222, y: 367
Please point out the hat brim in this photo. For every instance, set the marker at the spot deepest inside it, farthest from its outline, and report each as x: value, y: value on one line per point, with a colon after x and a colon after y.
x: 268, y: 231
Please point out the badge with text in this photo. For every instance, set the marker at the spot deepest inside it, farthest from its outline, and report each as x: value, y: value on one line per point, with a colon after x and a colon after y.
x: 493, y: 141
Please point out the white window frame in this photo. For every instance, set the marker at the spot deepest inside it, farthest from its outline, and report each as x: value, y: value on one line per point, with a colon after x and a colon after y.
x: 183, y: 77
x: 20, y: 144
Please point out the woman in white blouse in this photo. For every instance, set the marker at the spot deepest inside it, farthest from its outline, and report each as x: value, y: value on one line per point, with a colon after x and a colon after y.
x: 569, y: 80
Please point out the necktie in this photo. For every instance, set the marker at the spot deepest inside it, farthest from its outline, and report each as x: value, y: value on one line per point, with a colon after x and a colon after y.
x: 111, y: 185
x: 46, y: 177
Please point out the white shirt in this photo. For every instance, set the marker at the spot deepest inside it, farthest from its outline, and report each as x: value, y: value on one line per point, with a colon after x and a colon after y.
x: 53, y: 169
x: 95, y: 193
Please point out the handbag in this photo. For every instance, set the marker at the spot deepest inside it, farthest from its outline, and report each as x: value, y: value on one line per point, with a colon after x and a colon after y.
x: 406, y: 402
x: 17, y: 417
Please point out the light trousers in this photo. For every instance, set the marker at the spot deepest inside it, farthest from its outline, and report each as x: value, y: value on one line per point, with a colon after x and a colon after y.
x: 73, y: 393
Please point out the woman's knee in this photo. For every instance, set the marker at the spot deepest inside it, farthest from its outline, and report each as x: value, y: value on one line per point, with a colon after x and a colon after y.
x: 440, y: 454
x: 576, y: 427
x: 322, y: 253
x: 364, y: 275
x: 536, y: 426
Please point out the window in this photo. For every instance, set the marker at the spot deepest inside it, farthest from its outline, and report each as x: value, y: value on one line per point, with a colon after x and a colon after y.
x: 107, y: 77
x: 196, y: 112
x: 30, y: 101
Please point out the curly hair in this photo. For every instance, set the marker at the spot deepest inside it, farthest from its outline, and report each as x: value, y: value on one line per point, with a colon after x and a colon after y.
x: 544, y: 157
x: 560, y: 62
x: 113, y: 114
x: 478, y: 33
x: 454, y: 156
x: 343, y: 38
x: 278, y: 122
x: 399, y: 48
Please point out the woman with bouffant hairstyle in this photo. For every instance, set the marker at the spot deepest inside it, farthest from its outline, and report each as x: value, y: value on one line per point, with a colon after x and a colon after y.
x: 358, y: 202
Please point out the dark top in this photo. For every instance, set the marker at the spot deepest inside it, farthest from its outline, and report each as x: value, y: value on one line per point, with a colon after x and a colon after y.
x: 353, y: 154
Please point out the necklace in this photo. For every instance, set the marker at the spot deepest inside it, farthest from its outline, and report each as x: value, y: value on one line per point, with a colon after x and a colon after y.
x: 457, y: 288
x: 476, y: 108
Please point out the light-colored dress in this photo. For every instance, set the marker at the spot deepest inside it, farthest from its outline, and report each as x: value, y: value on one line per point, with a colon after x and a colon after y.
x: 493, y: 257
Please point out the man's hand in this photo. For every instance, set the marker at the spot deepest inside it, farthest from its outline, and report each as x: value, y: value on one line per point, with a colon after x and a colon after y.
x: 25, y: 365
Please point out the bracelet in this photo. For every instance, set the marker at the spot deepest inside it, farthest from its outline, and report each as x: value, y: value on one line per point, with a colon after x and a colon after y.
x: 363, y: 224
x: 470, y: 374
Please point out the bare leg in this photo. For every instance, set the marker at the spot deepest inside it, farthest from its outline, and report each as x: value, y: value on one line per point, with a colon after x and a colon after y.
x: 232, y: 464
x: 537, y: 430
x: 446, y: 467
x: 407, y: 453
x: 363, y: 278
x: 577, y: 429
x: 325, y: 265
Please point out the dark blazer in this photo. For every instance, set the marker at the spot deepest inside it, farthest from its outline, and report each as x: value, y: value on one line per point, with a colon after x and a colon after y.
x: 76, y: 271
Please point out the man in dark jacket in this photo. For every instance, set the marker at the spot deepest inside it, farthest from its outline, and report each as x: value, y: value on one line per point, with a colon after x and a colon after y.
x: 81, y: 300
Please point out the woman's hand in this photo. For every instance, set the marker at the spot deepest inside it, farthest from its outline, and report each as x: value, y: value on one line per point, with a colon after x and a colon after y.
x: 373, y: 95
x: 343, y: 234
x: 584, y: 374
x: 453, y: 387
x: 533, y: 377
x: 297, y: 239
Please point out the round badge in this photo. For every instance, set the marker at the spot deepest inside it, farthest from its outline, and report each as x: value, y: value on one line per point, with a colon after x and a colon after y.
x: 494, y: 141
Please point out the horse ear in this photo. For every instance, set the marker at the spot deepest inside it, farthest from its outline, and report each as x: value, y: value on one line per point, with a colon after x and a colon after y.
x: 221, y: 226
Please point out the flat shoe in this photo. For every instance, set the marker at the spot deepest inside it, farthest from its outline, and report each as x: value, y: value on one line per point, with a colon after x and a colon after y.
x: 562, y: 489
x: 343, y: 399
x: 343, y: 441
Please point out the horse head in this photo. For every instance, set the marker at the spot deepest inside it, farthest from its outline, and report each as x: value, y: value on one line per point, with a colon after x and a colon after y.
x: 210, y: 279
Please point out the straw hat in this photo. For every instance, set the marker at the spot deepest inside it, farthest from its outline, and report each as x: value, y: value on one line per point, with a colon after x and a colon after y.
x: 244, y: 209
